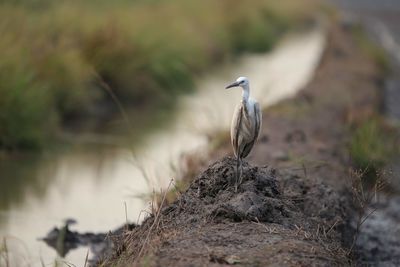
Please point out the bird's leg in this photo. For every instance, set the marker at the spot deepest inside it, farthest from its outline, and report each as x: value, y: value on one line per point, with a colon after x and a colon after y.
x: 238, y: 173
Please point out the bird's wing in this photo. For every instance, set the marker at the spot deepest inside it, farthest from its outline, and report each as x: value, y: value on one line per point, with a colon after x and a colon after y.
x: 235, y: 128
x: 247, y: 147
x: 258, y: 121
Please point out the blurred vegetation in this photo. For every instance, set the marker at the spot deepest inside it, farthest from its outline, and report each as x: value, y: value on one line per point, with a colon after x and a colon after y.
x: 372, y: 145
x: 146, y: 51
x: 371, y: 49
x: 374, y: 142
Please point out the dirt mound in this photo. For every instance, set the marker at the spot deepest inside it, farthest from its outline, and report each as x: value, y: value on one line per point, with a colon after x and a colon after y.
x: 258, y: 198
x: 210, y: 223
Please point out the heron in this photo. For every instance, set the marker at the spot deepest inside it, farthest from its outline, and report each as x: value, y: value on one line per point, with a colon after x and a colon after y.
x: 245, y: 127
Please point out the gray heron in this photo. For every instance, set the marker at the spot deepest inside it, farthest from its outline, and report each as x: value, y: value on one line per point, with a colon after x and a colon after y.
x: 246, y: 125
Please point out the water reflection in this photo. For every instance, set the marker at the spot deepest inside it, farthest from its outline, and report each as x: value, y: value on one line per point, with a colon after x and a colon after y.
x: 20, y: 180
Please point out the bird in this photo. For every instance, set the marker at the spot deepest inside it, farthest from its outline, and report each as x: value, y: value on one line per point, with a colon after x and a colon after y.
x: 245, y: 127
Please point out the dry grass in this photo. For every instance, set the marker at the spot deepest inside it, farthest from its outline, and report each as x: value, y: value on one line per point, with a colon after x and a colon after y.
x: 156, y: 223
x: 364, y: 195
x: 4, y: 254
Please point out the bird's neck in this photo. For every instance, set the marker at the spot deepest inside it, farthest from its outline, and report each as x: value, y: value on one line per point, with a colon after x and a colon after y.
x: 245, y: 93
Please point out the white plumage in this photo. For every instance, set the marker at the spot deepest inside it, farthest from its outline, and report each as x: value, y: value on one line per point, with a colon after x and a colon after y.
x: 246, y: 125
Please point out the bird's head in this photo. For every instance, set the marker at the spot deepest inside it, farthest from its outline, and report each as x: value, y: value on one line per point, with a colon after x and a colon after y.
x: 241, y: 81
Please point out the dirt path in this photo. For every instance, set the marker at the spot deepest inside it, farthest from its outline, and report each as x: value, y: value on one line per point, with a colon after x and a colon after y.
x: 379, y: 239
x: 293, y: 212
x: 381, y: 19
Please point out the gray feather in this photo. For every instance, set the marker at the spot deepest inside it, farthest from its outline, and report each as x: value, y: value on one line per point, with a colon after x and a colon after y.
x: 245, y: 129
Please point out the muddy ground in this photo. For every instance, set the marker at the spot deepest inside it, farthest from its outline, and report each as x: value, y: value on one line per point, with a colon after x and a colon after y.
x: 379, y: 241
x: 295, y: 204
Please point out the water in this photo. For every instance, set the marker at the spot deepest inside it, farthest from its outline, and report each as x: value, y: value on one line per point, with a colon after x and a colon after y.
x: 92, y: 185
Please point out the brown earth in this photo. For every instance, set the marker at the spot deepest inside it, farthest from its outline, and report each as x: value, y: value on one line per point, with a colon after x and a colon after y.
x: 293, y: 212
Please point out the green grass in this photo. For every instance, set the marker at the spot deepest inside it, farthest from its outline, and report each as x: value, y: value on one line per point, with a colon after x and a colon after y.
x: 372, y: 145
x: 147, y: 51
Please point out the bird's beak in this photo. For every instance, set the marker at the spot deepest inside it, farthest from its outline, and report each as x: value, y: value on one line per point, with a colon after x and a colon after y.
x: 235, y: 84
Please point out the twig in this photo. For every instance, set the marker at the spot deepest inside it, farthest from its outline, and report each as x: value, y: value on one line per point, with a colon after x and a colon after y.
x: 269, y: 230
x: 42, y: 262
x: 68, y: 264
x: 6, y: 252
x: 108, y: 89
x: 140, y: 213
x: 364, y: 200
x: 368, y: 215
x: 126, y: 215
x: 114, y: 97
x: 334, y: 224
x: 87, y: 258
x: 304, y: 170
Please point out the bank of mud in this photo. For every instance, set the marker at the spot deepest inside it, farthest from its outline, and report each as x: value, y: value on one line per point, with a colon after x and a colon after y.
x: 294, y: 205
